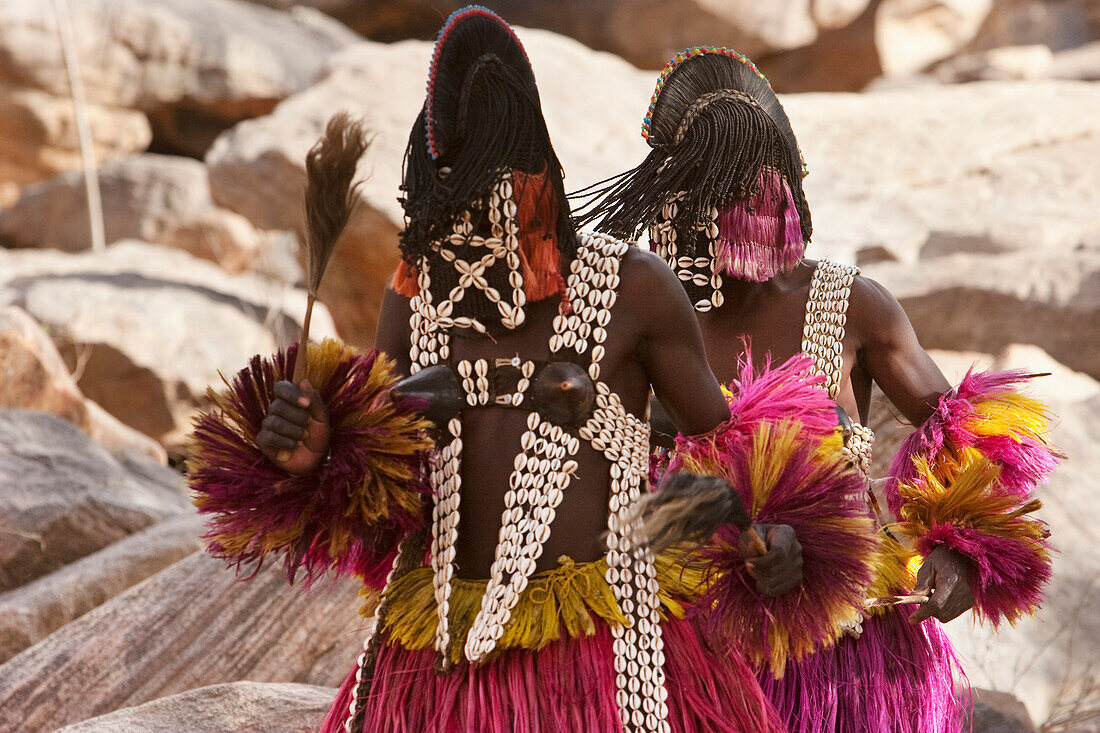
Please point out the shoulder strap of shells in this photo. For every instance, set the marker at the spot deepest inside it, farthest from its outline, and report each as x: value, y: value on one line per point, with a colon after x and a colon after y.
x: 826, y: 315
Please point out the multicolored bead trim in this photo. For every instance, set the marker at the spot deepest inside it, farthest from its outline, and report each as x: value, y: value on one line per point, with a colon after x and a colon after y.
x: 683, y: 56
x: 444, y: 32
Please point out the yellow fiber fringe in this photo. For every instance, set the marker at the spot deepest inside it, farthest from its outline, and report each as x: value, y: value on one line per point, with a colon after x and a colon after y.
x: 566, y: 600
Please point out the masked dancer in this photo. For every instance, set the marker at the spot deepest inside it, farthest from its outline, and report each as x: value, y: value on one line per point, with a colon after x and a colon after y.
x: 721, y: 198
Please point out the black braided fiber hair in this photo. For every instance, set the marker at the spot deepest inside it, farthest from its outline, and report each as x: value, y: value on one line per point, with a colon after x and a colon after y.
x: 482, y: 117
x: 714, y: 123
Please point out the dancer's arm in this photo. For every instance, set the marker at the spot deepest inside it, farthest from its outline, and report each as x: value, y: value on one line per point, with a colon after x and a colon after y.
x: 963, y: 483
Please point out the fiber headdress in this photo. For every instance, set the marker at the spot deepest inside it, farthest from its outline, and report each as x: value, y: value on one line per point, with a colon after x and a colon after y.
x: 724, y: 180
x: 482, y: 123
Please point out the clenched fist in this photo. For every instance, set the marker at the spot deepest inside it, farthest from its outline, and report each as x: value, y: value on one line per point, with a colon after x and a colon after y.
x: 295, y: 434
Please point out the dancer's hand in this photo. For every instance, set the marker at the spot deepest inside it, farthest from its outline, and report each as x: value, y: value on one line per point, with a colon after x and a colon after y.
x: 779, y: 570
x: 295, y: 434
x: 946, y: 576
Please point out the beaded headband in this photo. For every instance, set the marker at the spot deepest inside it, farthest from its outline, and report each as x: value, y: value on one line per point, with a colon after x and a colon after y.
x: 454, y: 19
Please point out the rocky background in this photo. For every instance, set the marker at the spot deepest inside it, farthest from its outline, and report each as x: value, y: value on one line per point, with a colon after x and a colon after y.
x: 953, y: 149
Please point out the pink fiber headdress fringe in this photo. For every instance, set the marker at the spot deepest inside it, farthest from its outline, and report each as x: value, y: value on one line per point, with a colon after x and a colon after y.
x: 568, y: 686
x: 760, y: 236
x: 896, y: 677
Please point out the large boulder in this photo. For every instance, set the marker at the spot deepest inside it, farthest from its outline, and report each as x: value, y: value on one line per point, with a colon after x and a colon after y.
x: 65, y: 497
x: 1082, y: 63
x: 33, y: 611
x: 1059, y: 25
x: 1033, y: 61
x: 238, y: 706
x: 194, y: 67
x: 934, y: 170
x: 37, y: 378
x: 258, y: 168
x: 191, y: 625
x: 912, y: 34
x: 152, y: 327
x: 998, y: 712
x: 38, y: 133
x: 986, y: 302
x: 155, y: 198
x: 644, y: 32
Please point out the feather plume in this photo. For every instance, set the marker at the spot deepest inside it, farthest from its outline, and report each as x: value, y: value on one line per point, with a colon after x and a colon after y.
x: 346, y: 516
x: 331, y: 189
x: 966, y: 478
x: 330, y: 197
x: 962, y: 504
x: 780, y: 452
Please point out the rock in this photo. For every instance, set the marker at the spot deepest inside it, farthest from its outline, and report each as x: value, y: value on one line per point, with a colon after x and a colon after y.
x: 193, y: 624
x: 257, y: 168
x: 998, y: 64
x: 194, y: 66
x: 65, y: 497
x: 911, y: 34
x: 1059, y: 25
x: 156, y: 198
x: 238, y: 706
x: 644, y: 32
x: 36, y: 378
x: 34, y: 375
x: 998, y: 712
x: 32, y: 612
x: 933, y: 170
x: 38, y: 135
x: 152, y: 327
x: 844, y: 58
x: 986, y: 303
x: 1081, y: 63
x: 837, y: 13
x: 1060, y: 386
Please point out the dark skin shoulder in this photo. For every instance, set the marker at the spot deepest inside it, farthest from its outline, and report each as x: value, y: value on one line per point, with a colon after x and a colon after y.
x: 880, y: 347
x: 653, y: 341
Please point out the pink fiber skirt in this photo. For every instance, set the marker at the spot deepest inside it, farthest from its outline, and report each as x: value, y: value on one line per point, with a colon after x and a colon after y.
x: 896, y: 678
x: 567, y: 686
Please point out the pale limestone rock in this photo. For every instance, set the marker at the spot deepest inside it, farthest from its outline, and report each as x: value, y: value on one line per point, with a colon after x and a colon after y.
x: 63, y: 497
x: 246, y: 707
x: 985, y: 303
x: 33, y: 611
x: 191, y: 625
x: 911, y: 34
x: 33, y: 376
x: 38, y: 135
x: 998, y: 64
x: 150, y: 327
x: 155, y: 198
